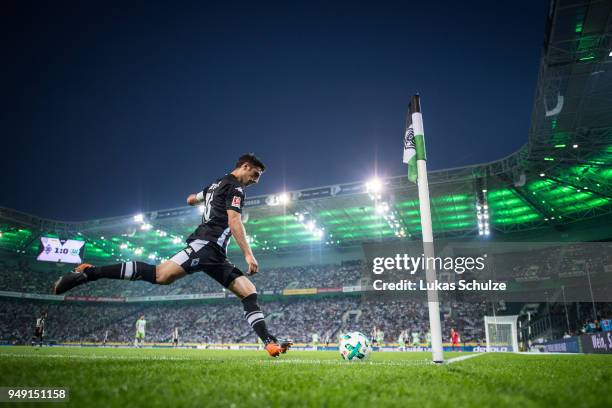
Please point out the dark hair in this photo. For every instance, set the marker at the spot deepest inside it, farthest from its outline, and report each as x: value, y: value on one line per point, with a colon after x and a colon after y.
x: 251, y: 159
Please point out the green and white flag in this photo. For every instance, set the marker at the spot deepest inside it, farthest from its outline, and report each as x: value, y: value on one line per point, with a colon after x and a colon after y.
x: 414, y: 143
x: 410, y: 153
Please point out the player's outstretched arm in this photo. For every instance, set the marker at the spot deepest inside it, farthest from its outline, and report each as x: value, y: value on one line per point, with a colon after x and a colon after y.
x: 239, y: 233
x: 195, y: 199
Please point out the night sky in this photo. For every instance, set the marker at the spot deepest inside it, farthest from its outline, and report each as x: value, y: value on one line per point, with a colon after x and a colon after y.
x: 115, y: 109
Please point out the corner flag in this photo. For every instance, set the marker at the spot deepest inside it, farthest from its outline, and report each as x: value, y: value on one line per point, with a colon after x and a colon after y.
x: 414, y: 156
x: 414, y: 142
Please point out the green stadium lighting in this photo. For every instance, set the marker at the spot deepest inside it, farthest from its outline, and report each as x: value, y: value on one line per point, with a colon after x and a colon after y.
x: 382, y: 208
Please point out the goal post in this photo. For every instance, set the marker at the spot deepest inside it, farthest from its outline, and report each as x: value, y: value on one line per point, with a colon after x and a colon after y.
x: 501, y: 332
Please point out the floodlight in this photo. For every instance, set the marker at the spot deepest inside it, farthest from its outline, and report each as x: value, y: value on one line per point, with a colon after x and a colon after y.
x: 139, y: 218
x: 284, y: 198
x: 374, y: 185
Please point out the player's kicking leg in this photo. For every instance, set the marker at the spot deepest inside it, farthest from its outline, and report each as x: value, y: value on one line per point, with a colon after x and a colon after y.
x: 162, y: 274
x: 245, y: 290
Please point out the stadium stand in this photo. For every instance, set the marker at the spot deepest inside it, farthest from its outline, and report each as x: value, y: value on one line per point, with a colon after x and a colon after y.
x: 35, y: 277
x: 222, y: 322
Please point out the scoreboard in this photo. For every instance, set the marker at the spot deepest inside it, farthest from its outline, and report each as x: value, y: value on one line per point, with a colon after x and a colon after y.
x: 60, y: 250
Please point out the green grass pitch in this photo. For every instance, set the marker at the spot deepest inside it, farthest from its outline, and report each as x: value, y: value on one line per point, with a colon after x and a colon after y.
x: 98, y: 377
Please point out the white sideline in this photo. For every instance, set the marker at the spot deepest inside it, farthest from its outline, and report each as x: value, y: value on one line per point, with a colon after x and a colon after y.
x: 462, y: 358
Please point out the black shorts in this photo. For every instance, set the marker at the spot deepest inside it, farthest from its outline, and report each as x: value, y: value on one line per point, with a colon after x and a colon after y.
x: 205, y: 256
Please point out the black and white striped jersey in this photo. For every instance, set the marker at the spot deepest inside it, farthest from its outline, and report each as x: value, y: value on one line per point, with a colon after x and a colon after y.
x: 39, y: 330
x: 227, y: 193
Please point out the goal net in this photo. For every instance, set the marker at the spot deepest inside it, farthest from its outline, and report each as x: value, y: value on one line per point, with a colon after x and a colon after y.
x: 501, y: 332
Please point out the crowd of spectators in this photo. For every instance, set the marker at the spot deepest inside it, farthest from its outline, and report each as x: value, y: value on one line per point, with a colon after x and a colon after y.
x: 223, y: 322
x: 38, y: 277
x: 555, y: 262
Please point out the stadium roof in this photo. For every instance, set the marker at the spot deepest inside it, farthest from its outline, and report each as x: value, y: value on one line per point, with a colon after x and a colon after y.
x: 562, y: 175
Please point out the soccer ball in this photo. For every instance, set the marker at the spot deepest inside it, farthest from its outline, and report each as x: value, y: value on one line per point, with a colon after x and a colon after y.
x: 354, y: 346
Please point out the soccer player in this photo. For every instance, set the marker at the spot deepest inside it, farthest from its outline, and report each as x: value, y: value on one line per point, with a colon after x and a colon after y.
x: 141, y: 325
x: 416, y: 339
x: 105, y: 338
x: 315, y: 341
x: 39, y: 329
x: 175, y: 336
x: 400, y: 341
x: 454, y: 337
x: 206, y: 249
x: 375, y: 336
x: 380, y: 338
